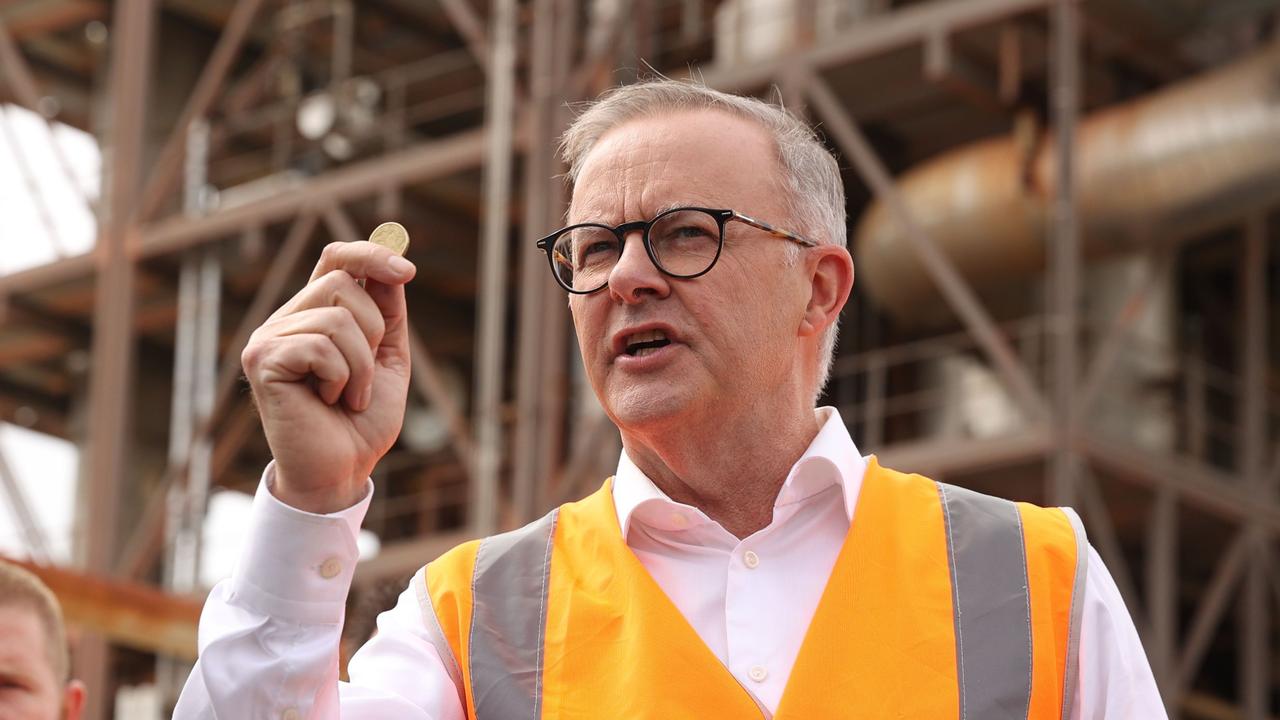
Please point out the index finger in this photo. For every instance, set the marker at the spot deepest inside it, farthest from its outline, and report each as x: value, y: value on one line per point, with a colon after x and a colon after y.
x: 364, y: 260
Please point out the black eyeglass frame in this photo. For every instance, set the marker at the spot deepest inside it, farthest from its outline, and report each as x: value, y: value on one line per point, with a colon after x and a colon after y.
x: 722, y: 218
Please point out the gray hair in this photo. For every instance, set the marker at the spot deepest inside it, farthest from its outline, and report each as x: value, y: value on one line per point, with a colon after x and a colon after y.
x: 810, y: 180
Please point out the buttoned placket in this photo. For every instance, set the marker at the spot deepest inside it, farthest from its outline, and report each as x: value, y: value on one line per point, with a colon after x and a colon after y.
x: 747, y: 657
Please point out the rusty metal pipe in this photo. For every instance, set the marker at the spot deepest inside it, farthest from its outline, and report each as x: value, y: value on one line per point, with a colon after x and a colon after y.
x: 1205, y: 148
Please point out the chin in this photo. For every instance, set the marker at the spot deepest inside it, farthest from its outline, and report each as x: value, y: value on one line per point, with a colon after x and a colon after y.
x: 638, y: 407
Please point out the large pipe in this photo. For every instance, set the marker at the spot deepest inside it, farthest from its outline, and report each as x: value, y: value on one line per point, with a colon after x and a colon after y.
x: 1205, y: 148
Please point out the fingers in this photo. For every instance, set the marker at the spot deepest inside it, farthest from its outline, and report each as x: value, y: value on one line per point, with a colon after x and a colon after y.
x: 338, y: 288
x: 311, y: 355
x: 326, y: 341
x: 336, y: 331
x: 364, y: 260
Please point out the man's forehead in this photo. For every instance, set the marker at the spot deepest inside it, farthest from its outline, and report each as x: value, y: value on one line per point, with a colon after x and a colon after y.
x: 656, y: 163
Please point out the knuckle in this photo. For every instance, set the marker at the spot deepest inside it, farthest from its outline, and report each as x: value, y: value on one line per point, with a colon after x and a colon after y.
x: 255, y: 349
x: 332, y: 251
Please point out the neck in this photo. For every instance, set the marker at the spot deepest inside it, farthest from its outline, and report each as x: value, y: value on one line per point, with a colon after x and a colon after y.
x: 730, y: 468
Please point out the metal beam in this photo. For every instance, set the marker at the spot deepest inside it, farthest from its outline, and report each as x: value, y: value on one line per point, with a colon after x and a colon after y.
x: 1011, y: 371
x: 418, y: 163
x: 1064, y: 261
x: 111, y: 373
x: 1255, y: 635
x: 112, y: 370
x: 1103, y: 535
x: 471, y: 28
x: 1213, y: 602
x: 492, y: 300
x: 534, y: 318
x: 165, y: 172
x: 33, y: 535
x: 1197, y: 484
x: 1253, y: 349
x: 1162, y: 592
x: 27, y: 92
x: 426, y: 379
x: 131, y: 614
x: 879, y: 34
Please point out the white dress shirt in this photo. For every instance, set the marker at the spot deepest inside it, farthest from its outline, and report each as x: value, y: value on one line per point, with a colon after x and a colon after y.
x: 269, y: 634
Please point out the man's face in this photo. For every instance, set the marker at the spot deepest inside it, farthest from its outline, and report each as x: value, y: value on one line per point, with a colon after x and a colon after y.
x: 28, y: 688
x: 732, y: 332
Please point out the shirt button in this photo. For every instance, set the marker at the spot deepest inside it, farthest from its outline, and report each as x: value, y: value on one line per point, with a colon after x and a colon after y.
x: 750, y: 559
x: 290, y: 714
x: 757, y: 673
x: 329, y: 568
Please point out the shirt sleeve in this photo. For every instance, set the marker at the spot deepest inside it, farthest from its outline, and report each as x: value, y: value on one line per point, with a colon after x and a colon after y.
x: 269, y: 634
x: 1114, y: 679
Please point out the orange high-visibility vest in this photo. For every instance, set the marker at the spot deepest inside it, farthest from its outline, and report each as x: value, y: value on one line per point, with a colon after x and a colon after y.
x: 943, y: 603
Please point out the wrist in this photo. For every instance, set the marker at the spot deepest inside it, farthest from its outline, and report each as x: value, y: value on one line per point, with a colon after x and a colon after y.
x: 317, y: 500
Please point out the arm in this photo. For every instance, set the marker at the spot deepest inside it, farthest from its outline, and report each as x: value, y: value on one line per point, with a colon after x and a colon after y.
x: 330, y: 375
x: 269, y: 635
x: 1115, y: 679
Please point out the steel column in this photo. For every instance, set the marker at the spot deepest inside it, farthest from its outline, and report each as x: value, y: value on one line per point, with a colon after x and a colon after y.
x: 1162, y: 592
x: 1064, y: 263
x: 1255, y: 635
x: 534, y: 313
x: 492, y: 300
x: 111, y: 374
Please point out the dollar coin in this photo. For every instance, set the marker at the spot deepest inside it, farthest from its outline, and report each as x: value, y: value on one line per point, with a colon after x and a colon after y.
x: 391, y: 235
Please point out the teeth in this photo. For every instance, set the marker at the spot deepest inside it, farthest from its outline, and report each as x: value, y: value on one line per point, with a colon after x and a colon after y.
x: 646, y: 336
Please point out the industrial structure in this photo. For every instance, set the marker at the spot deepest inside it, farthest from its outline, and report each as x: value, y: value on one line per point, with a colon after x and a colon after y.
x: 1065, y: 217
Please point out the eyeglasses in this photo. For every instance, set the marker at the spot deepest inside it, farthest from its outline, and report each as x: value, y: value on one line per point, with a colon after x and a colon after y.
x: 682, y: 242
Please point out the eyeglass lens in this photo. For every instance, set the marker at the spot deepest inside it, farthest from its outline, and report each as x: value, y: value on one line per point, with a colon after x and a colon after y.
x: 684, y: 243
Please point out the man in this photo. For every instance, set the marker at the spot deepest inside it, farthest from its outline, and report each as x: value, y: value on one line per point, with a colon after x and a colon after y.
x: 35, y: 679
x: 745, y: 561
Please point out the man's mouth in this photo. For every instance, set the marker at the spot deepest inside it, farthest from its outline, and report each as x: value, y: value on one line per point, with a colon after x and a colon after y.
x: 646, y: 342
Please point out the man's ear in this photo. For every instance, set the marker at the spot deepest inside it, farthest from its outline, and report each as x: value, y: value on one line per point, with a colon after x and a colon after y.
x: 73, y: 700
x: 831, y: 279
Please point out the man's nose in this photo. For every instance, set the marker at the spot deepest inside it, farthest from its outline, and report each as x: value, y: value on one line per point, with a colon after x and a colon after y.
x: 635, y: 275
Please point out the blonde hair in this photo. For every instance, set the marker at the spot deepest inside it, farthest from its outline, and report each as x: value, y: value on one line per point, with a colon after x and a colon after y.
x: 19, y: 588
x: 810, y: 178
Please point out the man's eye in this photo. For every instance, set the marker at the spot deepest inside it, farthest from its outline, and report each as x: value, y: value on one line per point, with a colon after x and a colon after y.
x: 691, y: 231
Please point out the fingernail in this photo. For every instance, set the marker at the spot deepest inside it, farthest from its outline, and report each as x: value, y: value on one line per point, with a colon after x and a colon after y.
x: 366, y: 397
x: 399, y: 265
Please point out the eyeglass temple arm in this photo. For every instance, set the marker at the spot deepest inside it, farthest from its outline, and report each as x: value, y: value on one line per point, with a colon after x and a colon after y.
x: 773, y: 230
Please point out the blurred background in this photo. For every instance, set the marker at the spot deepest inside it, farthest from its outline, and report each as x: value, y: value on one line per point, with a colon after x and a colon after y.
x: 1065, y: 218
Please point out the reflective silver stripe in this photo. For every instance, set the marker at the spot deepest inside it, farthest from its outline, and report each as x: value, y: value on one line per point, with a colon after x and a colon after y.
x: 508, y: 621
x: 992, y: 606
x: 1077, y: 610
x: 436, y: 636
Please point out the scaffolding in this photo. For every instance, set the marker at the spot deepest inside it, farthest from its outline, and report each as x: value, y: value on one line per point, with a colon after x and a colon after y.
x: 239, y: 135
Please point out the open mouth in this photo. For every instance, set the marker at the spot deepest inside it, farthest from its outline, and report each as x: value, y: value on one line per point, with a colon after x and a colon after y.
x: 644, y: 343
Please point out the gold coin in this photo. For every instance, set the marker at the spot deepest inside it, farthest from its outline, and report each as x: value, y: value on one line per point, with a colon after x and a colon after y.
x: 391, y: 235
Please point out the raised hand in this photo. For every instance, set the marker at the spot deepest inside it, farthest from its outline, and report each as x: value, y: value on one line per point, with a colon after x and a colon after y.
x: 330, y: 375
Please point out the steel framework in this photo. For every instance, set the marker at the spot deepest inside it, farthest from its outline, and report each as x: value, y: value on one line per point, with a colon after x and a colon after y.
x: 1186, y: 533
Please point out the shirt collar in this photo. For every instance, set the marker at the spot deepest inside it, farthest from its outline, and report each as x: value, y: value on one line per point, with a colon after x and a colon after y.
x: 831, y: 459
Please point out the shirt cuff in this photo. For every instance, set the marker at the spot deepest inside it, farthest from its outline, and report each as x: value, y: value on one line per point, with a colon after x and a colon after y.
x: 297, y: 566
